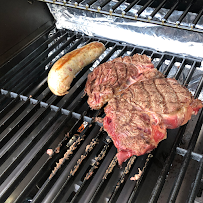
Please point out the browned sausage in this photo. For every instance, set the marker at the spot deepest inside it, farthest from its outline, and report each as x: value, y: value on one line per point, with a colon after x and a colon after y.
x: 64, y: 70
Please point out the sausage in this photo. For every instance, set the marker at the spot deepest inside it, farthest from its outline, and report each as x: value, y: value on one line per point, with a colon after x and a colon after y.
x: 64, y: 70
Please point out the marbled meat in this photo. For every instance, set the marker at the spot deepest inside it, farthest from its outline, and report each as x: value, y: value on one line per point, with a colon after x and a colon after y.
x: 112, y: 77
x: 137, y: 119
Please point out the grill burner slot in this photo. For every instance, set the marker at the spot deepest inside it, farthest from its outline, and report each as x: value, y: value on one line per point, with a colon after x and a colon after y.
x: 33, y: 120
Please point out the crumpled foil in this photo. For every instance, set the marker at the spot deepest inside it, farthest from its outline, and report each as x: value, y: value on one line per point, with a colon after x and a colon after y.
x: 158, y: 37
x: 161, y: 38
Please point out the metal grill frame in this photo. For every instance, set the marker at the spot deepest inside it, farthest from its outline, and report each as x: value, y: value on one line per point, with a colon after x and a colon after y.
x: 31, y: 119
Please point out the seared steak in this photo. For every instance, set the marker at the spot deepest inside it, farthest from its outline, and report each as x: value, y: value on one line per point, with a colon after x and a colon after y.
x: 142, y: 104
x: 112, y: 77
x: 137, y: 119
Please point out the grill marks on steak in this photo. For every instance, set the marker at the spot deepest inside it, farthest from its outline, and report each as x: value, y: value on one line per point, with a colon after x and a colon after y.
x: 166, y: 97
x: 163, y: 96
x: 112, y: 77
x: 142, y: 104
x: 137, y: 119
x: 133, y: 130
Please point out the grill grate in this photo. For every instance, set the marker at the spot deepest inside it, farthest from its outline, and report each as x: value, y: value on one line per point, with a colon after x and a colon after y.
x: 33, y: 120
x: 163, y: 8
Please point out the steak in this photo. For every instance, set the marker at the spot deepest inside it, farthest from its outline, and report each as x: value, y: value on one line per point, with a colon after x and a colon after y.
x: 112, y: 77
x: 137, y: 118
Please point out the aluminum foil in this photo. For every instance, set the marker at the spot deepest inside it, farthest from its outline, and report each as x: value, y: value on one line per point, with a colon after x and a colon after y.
x: 158, y: 37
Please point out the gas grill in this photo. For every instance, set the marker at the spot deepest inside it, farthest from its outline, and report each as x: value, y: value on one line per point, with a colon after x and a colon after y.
x: 83, y: 166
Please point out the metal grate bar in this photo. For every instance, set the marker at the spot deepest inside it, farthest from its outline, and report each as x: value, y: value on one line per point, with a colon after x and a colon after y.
x: 77, y: 166
x: 121, y: 179
x: 196, y: 184
x: 26, y: 164
x: 180, y: 69
x: 10, y: 74
x: 90, y: 3
x: 170, y: 11
x: 162, y: 59
x: 131, y: 5
x: 76, y: 87
x: 157, y: 9
x: 160, y: 181
x: 184, y: 13
x: 21, y: 74
x: 46, y: 96
x: 9, y: 65
x: 104, y: 4
x: 66, y: 174
x: 196, y: 132
x: 123, y: 50
x: 18, y: 122
x: 76, y: 101
x: 186, y: 160
x: 93, y: 169
x: 24, y: 83
x: 191, y: 71
x: 29, y: 89
x: 144, y: 7
x: 93, y: 189
x: 7, y: 116
x: 4, y: 100
x: 18, y: 155
x: 135, y: 50
x: 117, y: 5
x: 199, y: 88
x: 136, y: 188
x: 38, y: 91
x: 166, y: 71
x: 52, y: 131
x: 67, y: 140
x: 193, y: 24
x: 24, y: 128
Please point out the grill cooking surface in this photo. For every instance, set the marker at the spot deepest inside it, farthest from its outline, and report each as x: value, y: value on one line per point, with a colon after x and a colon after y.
x: 160, y: 11
x: 83, y: 166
